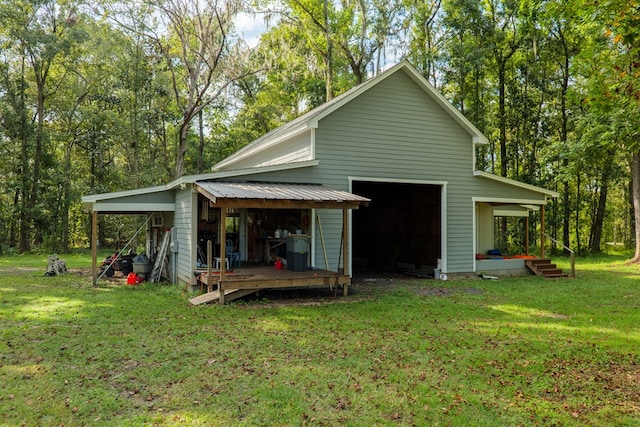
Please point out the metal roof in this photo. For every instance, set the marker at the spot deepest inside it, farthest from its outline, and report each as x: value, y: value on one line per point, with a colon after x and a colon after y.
x: 277, y: 192
x: 515, y: 183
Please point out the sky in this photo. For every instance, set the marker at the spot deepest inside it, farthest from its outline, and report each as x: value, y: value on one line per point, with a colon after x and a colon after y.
x: 250, y: 27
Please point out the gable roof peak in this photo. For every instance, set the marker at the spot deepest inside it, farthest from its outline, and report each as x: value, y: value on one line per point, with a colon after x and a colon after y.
x: 310, y: 119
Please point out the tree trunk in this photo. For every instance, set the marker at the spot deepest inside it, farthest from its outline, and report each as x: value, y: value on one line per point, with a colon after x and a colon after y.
x: 503, y: 138
x: 13, y: 232
x: 329, y: 54
x: 596, y: 226
x: 635, y: 177
x: 564, y: 131
x: 34, y: 217
x: 24, y: 221
x: 66, y: 202
x: 502, y: 120
x: 631, y: 223
x: 566, y: 209
x: 201, y: 146
x: 577, y: 213
x: 182, y: 147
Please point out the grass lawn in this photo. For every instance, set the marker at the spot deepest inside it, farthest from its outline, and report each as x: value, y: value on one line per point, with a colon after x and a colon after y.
x: 396, y: 351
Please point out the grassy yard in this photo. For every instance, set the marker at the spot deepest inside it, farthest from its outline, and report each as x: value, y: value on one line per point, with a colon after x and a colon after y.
x: 465, y: 352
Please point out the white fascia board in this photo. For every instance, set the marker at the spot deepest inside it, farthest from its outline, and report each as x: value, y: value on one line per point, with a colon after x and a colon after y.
x: 262, y: 169
x: 510, y: 208
x: 531, y: 207
x: 508, y: 201
x: 511, y: 212
x: 480, y: 139
x: 133, y: 207
x: 136, y: 192
x: 515, y: 183
x: 396, y: 180
x: 259, y: 146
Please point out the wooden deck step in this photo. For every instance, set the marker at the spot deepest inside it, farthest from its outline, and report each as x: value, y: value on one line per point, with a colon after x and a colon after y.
x: 229, y: 294
x: 545, y: 268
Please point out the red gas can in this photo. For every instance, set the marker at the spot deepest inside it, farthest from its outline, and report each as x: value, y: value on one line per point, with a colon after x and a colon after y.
x: 132, y: 279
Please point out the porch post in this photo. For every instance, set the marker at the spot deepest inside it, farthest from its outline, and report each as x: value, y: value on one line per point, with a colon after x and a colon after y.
x: 526, y: 234
x: 223, y: 250
x: 542, y: 231
x: 94, y: 246
x: 345, y: 255
x: 209, y: 268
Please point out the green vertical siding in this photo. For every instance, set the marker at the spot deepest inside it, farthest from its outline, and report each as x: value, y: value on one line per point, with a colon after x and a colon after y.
x: 185, y: 222
x: 296, y: 149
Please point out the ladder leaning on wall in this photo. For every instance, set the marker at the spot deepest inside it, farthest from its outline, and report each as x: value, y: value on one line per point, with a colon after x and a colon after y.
x: 156, y: 273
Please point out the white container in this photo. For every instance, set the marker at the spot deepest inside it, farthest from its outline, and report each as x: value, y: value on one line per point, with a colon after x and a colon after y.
x: 436, y: 273
x: 298, y: 243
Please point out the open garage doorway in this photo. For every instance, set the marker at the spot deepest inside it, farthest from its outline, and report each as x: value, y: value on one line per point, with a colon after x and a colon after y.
x: 400, y: 229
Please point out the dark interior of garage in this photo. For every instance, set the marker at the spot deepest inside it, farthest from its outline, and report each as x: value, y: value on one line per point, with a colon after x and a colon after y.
x: 399, y: 230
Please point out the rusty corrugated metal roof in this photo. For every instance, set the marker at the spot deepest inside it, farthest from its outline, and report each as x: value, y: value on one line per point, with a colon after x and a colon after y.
x: 270, y: 191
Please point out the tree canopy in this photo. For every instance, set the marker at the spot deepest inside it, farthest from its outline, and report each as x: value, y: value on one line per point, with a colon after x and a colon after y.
x: 109, y: 95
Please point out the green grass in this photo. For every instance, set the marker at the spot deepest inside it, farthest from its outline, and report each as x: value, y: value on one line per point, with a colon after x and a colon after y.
x: 514, y: 351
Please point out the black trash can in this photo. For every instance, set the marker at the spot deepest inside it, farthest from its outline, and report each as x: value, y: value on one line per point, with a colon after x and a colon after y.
x: 297, y: 252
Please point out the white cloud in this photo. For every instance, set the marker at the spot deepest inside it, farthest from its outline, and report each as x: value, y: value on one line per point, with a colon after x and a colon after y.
x: 250, y: 27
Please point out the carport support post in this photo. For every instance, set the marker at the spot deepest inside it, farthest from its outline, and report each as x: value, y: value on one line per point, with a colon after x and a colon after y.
x: 526, y: 234
x: 94, y: 246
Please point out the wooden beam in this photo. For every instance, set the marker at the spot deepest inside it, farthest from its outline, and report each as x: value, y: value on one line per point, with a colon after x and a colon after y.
x: 260, y: 283
x: 94, y: 247
x: 285, y: 204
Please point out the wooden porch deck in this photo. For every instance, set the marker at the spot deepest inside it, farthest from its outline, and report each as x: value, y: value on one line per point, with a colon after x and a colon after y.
x: 245, y: 280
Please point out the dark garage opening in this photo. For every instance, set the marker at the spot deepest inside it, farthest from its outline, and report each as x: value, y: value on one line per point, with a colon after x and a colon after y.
x: 400, y: 229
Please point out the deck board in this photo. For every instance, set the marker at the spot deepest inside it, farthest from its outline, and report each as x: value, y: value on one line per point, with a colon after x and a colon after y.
x: 253, y: 278
x: 229, y: 294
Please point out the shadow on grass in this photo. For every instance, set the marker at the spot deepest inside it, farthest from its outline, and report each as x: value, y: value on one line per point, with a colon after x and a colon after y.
x: 513, y: 351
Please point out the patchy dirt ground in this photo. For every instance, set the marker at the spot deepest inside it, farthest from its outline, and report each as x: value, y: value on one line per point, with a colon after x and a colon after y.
x: 364, y: 286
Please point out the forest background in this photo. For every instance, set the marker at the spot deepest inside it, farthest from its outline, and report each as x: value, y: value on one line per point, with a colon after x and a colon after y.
x: 105, y: 96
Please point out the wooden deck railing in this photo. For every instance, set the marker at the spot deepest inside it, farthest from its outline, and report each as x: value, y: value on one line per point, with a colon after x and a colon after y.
x: 572, y: 254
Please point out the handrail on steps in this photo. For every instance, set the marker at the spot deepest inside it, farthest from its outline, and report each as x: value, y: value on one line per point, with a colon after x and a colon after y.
x: 572, y: 254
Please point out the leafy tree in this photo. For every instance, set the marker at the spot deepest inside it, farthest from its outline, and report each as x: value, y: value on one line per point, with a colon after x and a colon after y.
x: 612, y: 84
x: 37, y: 34
x: 424, y: 22
x: 202, y: 57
